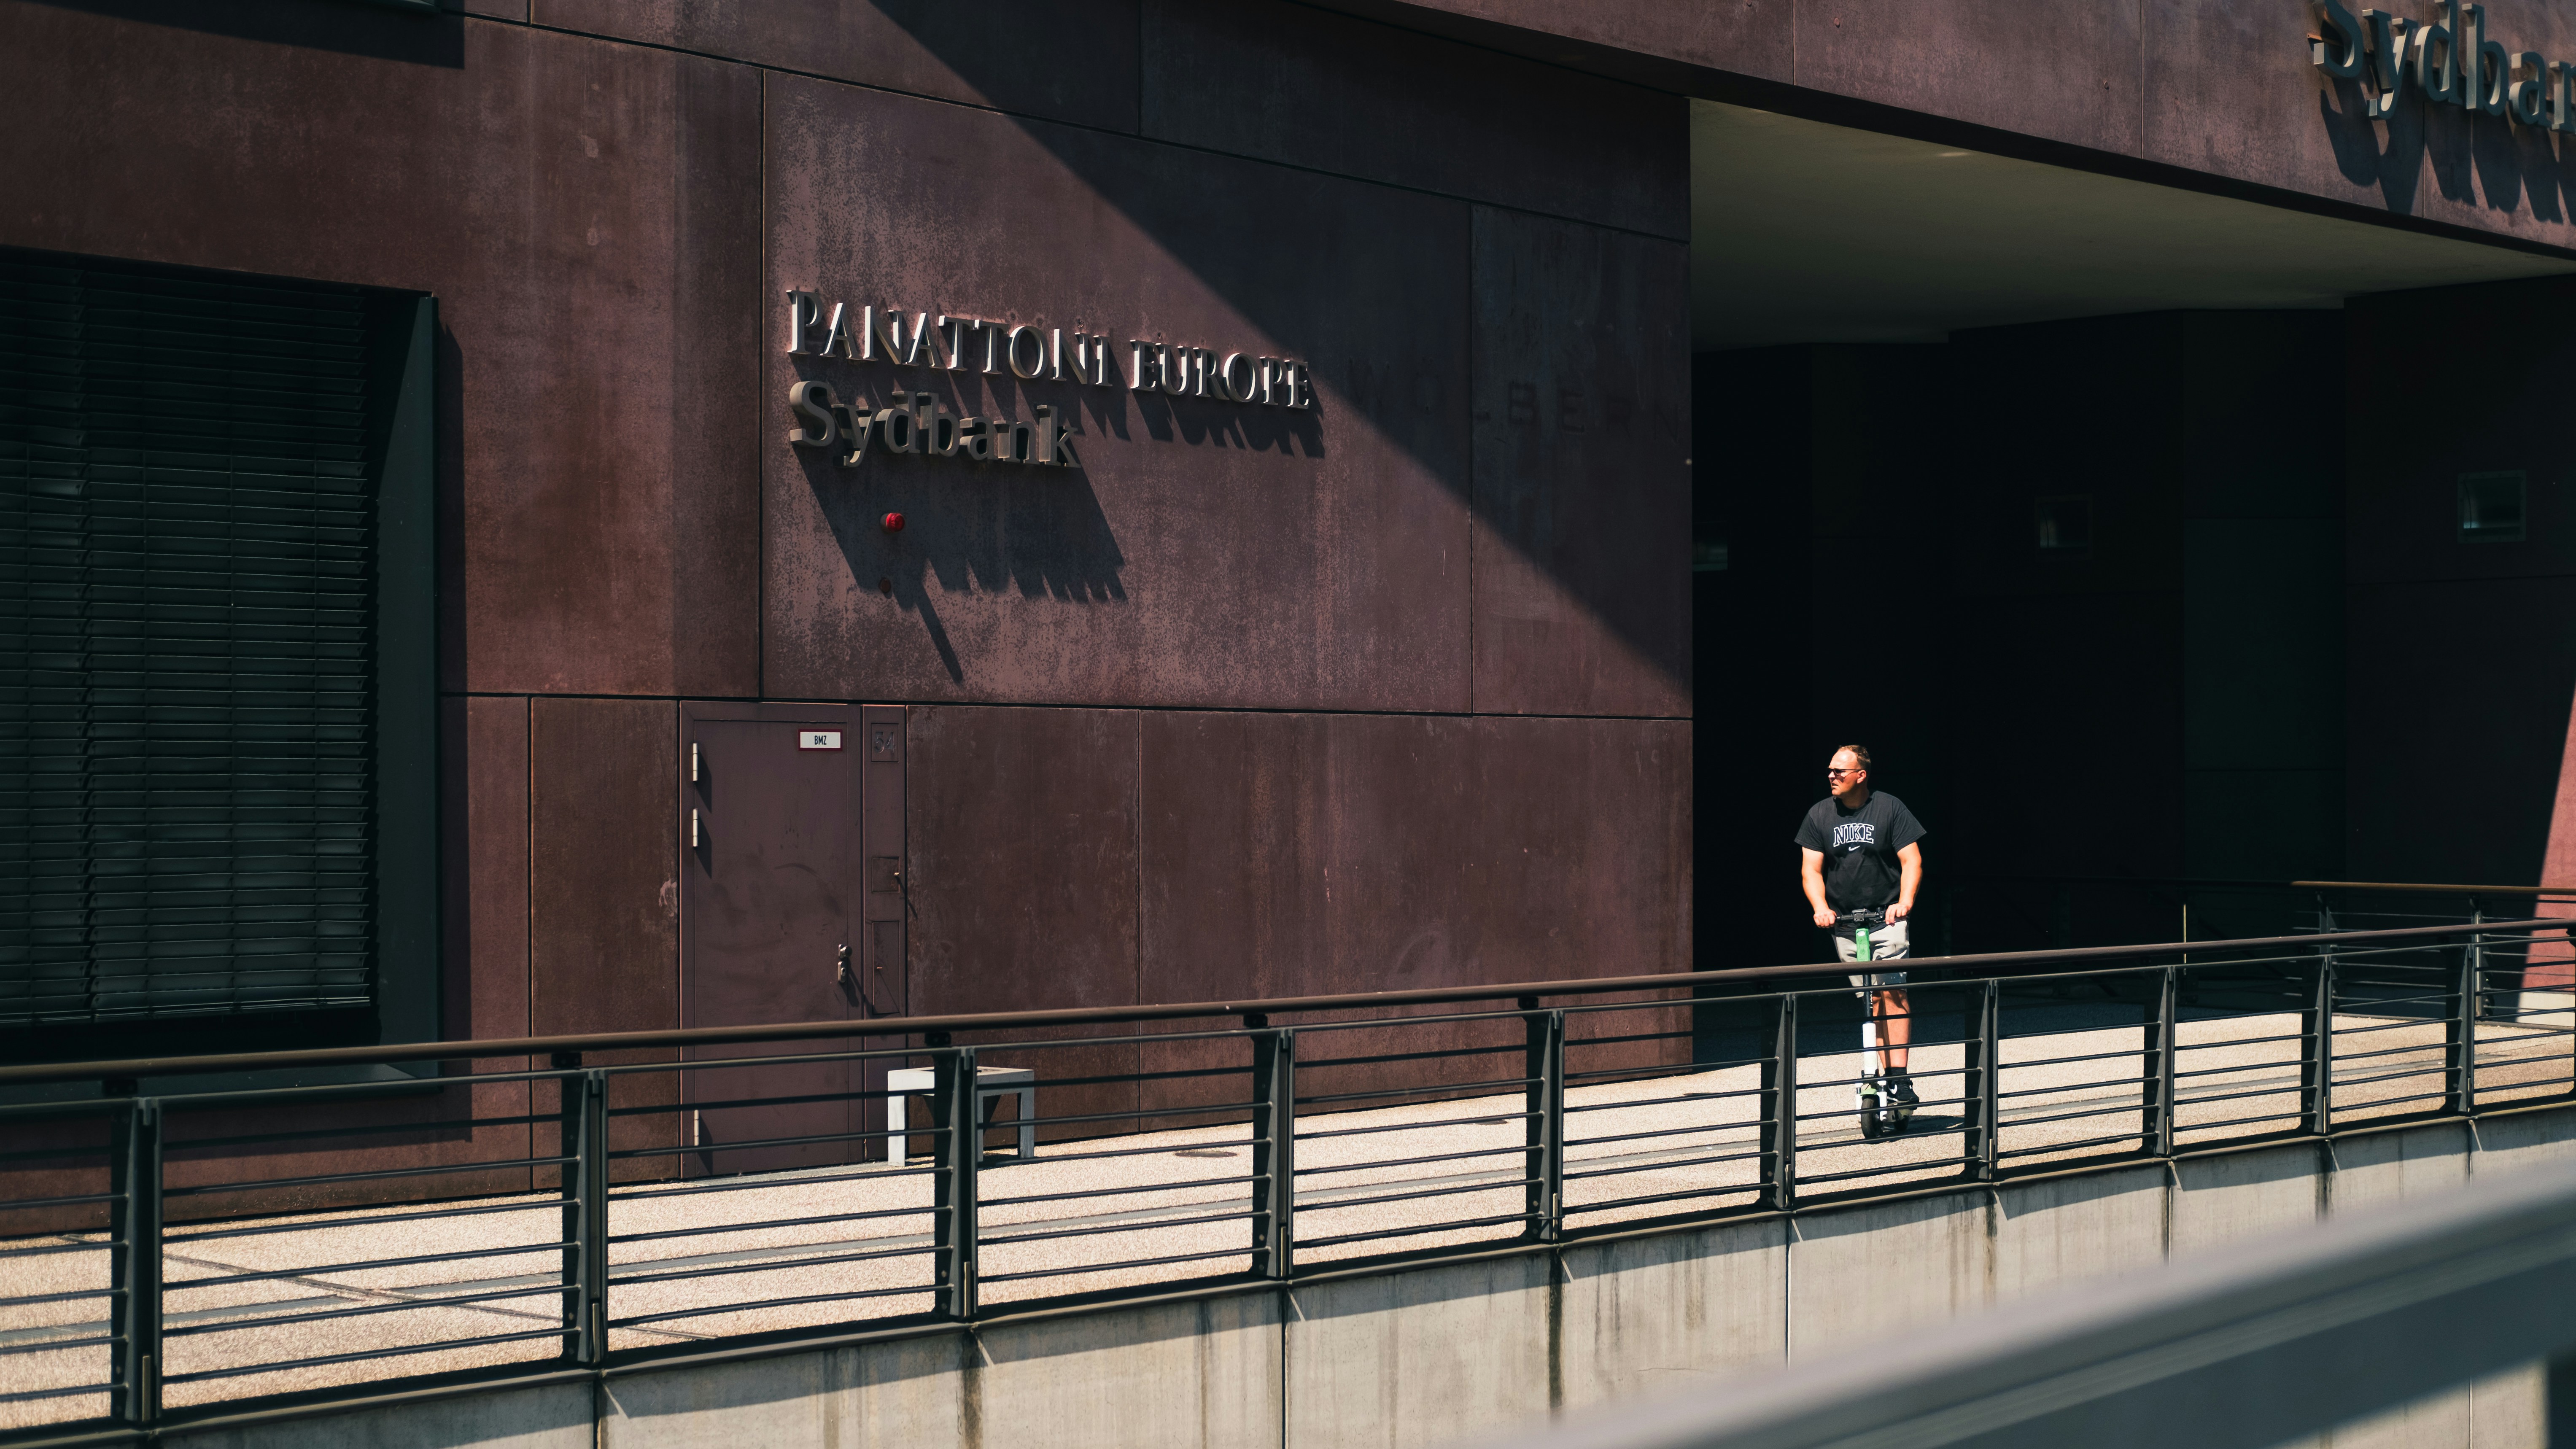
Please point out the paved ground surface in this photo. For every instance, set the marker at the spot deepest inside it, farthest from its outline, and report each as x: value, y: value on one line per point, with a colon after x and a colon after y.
x: 475, y: 1283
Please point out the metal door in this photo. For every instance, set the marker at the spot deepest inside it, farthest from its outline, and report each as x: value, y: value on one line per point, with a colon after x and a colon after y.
x: 775, y: 925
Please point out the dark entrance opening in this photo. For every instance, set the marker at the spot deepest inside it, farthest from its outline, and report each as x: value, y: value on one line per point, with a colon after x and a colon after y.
x: 2068, y: 494
x: 791, y: 910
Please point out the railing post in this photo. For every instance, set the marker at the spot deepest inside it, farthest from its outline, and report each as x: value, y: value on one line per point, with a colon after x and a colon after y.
x: 2316, y: 1051
x: 2460, y: 1031
x: 134, y: 1269
x: 2478, y: 959
x: 592, y: 1341
x: 572, y: 1118
x: 1543, y: 1163
x: 957, y: 1135
x: 1274, y: 1150
x: 2158, y: 1125
x: 1779, y: 1107
x: 1983, y: 1086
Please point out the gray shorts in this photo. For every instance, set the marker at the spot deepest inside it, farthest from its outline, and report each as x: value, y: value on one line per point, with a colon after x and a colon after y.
x: 1886, y: 943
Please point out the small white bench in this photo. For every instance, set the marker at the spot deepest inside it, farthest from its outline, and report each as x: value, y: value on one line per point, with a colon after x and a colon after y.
x: 990, y: 1083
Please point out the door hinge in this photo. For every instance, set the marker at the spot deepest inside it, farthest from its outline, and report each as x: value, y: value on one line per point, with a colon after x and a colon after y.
x: 693, y: 762
x: 693, y: 830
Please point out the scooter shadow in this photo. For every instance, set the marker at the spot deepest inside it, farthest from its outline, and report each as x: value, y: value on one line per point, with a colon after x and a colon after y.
x: 1924, y: 1124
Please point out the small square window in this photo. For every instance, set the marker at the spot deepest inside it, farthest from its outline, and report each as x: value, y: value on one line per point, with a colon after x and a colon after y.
x: 2066, y: 523
x: 2491, y: 507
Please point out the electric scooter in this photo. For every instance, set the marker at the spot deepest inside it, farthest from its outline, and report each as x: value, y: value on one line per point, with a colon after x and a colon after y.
x: 1881, y: 1115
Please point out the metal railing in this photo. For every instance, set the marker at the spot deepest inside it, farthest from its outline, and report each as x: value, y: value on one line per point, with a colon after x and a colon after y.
x: 187, y: 1253
x: 2011, y: 911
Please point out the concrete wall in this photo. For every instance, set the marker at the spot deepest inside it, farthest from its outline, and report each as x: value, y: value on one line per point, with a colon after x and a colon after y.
x: 1469, y: 1349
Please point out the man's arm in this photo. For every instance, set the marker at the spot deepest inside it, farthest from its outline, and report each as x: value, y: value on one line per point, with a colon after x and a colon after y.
x: 1811, y: 876
x: 1909, y: 876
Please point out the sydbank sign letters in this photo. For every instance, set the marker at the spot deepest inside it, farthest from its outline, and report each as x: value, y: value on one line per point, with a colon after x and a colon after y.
x: 2448, y: 61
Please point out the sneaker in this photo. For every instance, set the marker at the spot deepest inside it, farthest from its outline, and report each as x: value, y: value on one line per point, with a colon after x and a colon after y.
x: 1899, y: 1092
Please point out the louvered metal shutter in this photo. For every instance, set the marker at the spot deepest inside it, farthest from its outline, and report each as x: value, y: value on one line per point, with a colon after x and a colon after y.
x: 188, y: 589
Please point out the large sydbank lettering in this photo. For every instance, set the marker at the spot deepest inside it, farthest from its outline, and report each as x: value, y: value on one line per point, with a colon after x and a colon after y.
x: 2448, y: 61
x: 918, y: 424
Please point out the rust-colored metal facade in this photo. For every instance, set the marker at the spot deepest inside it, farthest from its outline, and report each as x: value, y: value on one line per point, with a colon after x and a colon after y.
x: 1392, y: 691
x: 1396, y: 692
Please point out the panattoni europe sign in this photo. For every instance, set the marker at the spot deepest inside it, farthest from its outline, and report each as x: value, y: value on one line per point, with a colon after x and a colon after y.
x: 914, y: 422
x: 2448, y: 61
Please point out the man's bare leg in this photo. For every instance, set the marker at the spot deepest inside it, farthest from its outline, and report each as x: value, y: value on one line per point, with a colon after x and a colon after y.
x: 1895, y: 1026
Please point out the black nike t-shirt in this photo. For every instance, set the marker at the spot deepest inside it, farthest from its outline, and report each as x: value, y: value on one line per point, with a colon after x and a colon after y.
x: 1860, y: 846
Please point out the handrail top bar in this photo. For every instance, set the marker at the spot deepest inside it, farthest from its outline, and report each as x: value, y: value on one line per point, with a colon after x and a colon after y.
x: 2214, y: 882
x: 138, y: 1067
x: 2457, y: 890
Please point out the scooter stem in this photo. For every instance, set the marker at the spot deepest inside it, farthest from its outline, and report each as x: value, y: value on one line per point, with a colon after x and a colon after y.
x: 1868, y: 1005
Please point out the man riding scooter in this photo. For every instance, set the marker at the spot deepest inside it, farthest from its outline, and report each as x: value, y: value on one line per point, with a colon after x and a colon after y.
x: 1860, y: 863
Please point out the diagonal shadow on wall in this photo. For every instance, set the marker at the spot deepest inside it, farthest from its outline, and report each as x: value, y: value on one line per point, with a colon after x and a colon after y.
x: 1551, y: 418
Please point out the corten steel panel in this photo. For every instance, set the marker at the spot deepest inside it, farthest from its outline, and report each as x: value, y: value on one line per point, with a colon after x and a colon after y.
x: 587, y: 213
x: 1755, y: 493
x: 1306, y: 854
x: 1205, y: 552
x: 2456, y: 722
x: 771, y: 879
x: 1748, y: 37
x: 1291, y: 84
x: 2258, y: 393
x: 75, y: 1163
x: 1582, y: 489
x: 1874, y: 409
x: 2064, y: 72
x: 379, y: 1134
x: 2230, y: 90
x: 1501, y: 849
x: 1024, y: 878
x: 1236, y: 869
x: 1872, y: 608
x: 2091, y: 408
x: 485, y: 849
x: 1237, y: 865
x: 1073, y: 60
x: 605, y: 892
x: 2414, y: 428
x: 485, y: 874
x: 2096, y: 677
x: 1507, y: 850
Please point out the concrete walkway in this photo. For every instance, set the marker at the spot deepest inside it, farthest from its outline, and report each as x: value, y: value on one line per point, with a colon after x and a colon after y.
x: 385, y: 1292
